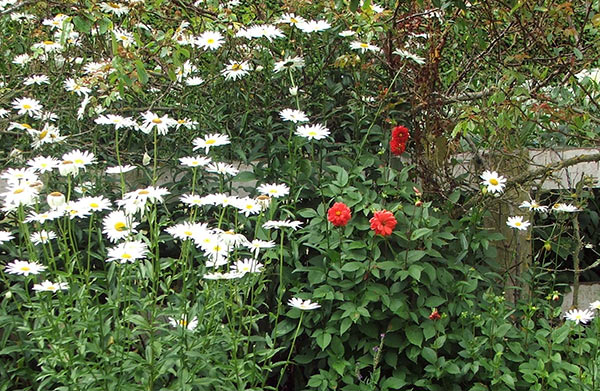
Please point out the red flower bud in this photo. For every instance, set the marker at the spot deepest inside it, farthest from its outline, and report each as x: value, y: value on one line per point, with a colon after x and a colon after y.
x: 435, y: 315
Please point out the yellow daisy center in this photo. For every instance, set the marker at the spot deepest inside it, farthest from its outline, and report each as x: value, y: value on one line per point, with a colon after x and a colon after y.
x: 518, y: 223
x: 27, y: 126
x: 210, y: 40
x: 494, y: 181
x: 18, y: 191
x: 48, y: 42
x: 364, y: 45
x: 126, y: 256
x: 183, y: 322
x: 94, y: 205
x: 79, y: 161
x: 143, y: 192
x: 25, y: 268
x: 211, y: 141
x: 26, y: 106
x: 236, y: 67
x: 43, y: 134
x: 187, y: 233
x: 312, y: 133
x: 157, y: 121
x: 120, y: 226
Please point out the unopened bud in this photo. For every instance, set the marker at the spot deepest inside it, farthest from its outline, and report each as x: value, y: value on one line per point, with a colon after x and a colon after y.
x: 55, y: 199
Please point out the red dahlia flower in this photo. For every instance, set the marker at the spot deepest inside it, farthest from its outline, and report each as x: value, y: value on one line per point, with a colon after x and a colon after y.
x: 399, y: 139
x: 383, y: 222
x: 339, y: 214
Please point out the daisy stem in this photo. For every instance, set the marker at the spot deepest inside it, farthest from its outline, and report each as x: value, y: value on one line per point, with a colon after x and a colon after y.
x: 89, y: 250
x: 294, y: 86
x: 287, y: 361
x: 379, y: 109
x: 155, y: 163
x: 119, y: 162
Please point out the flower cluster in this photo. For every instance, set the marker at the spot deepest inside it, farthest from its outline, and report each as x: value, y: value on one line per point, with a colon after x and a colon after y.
x: 399, y: 139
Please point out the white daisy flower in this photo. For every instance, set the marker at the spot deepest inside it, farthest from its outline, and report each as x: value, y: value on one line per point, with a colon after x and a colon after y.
x: 210, y: 140
x: 192, y: 200
x: 152, y: 120
x: 210, y: 40
x: 42, y: 237
x: 114, y: 8
x: 363, y: 47
x: 79, y: 159
x: 313, y: 26
x: 27, y: 106
x: 518, y: 223
x: 187, y: 230
x: 236, y: 69
x: 293, y: 115
x: 194, y: 81
x: 533, y: 205
x: 96, y: 204
x: 116, y: 120
x: 493, y: 181
x: 291, y: 19
x: 127, y: 252
x: 76, y: 87
x: 289, y: 63
x: 256, y: 245
x: 36, y: 79
x: 312, y: 132
x: 304, y: 305
x: 6, y: 236
x: 579, y: 316
x: 125, y: 37
x: 43, y: 164
x: 48, y: 286
x: 117, y: 225
x: 248, y: 206
x: 347, y: 33
x: 274, y: 224
x: 274, y: 190
x: 222, y: 276
x: 405, y: 54
x: 247, y: 265
x: 194, y: 161
x: 222, y: 168
x: 568, y: 208
x: 24, y: 268
x: 42, y: 217
x: 182, y: 322
x: 120, y: 169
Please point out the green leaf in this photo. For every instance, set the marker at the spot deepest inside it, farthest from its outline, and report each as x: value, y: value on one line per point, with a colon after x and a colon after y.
x: 434, y: 301
x: 508, y: 380
x: 354, y: 5
x: 429, y: 355
x: 420, y: 232
x: 415, y: 271
x: 82, y: 24
x: 141, y: 71
x: 414, y: 335
x: 245, y: 176
x: 352, y: 266
x: 561, y: 333
x: 323, y: 340
x: 452, y: 369
x: 393, y: 383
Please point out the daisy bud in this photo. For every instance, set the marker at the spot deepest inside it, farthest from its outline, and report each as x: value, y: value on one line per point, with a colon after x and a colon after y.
x: 37, y: 186
x: 146, y: 159
x: 293, y: 91
x: 55, y: 199
x: 259, y: 68
x: 67, y: 167
x: 8, y: 294
x: 264, y: 201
